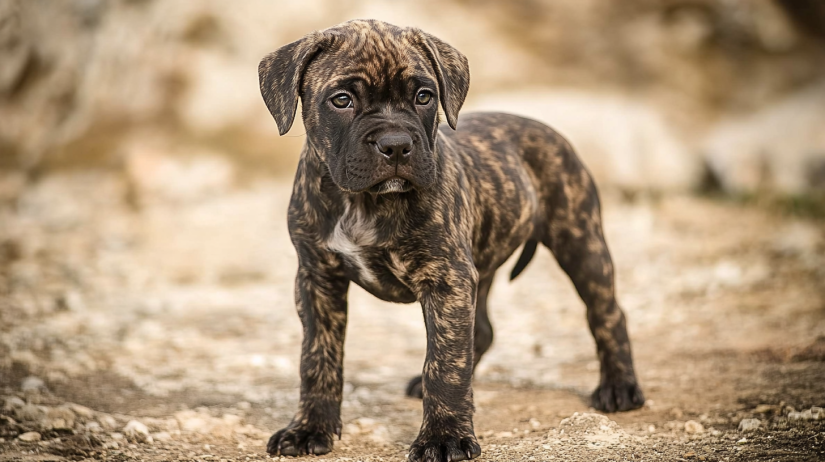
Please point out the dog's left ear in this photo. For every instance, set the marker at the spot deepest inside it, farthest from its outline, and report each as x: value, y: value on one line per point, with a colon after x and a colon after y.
x: 280, y: 73
x: 453, y: 73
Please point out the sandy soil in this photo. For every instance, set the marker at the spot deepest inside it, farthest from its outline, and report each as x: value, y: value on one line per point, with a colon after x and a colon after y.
x: 173, y: 308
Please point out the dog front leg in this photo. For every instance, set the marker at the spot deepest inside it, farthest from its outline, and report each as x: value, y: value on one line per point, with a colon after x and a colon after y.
x: 448, y: 299
x: 321, y: 298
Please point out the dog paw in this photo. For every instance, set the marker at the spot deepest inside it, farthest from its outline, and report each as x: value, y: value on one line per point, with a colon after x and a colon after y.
x: 299, y: 440
x: 415, y: 388
x: 617, y: 396
x: 444, y: 448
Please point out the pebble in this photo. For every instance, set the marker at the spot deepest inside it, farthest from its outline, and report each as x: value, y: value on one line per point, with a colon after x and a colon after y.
x: 28, y: 413
x: 29, y: 437
x: 93, y: 427
x: 58, y: 418
x: 749, y: 425
x: 814, y: 413
x: 764, y: 408
x: 694, y: 427
x: 81, y: 411
x: 108, y: 422
x: 33, y: 383
x: 12, y: 403
x: 136, y: 431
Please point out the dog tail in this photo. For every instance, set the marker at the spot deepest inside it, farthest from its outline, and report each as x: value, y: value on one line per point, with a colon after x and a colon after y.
x: 524, y: 259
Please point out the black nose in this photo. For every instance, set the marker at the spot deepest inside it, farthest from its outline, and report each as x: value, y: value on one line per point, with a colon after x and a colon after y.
x: 395, y: 147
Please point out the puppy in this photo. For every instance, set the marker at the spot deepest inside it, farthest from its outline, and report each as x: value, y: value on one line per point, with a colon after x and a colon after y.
x: 412, y: 210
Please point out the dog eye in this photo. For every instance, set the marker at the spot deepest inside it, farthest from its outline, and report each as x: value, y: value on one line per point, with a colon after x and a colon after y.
x: 423, y: 97
x: 342, y: 101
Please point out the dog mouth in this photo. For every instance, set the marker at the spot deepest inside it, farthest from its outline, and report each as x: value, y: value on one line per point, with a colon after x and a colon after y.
x: 391, y: 185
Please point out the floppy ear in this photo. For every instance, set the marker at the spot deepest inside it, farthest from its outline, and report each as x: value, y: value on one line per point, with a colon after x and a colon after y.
x: 453, y: 73
x: 280, y: 73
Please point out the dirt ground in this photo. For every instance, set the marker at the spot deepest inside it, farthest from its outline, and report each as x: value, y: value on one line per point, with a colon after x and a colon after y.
x: 122, y: 301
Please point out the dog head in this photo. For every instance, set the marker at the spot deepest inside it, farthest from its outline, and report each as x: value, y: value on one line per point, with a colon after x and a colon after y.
x: 370, y: 93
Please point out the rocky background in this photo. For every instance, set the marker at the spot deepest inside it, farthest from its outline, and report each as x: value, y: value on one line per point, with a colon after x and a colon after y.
x: 146, y: 272
x: 656, y: 95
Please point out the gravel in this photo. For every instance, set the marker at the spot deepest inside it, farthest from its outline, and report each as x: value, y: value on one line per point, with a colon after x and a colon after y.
x: 749, y: 425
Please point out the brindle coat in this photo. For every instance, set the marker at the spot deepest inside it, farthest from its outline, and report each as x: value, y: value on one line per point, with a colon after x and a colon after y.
x: 408, y: 210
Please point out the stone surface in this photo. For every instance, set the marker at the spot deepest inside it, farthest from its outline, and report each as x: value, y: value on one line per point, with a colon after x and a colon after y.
x: 33, y: 383
x: 748, y: 425
x: 137, y: 432
x: 693, y: 427
x: 29, y: 437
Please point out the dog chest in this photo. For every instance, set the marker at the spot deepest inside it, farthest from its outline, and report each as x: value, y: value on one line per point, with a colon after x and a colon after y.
x: 352, y: 234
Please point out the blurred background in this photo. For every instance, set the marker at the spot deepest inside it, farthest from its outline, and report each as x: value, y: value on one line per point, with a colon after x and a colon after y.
x: 663, y: 95
x: 146, y: 271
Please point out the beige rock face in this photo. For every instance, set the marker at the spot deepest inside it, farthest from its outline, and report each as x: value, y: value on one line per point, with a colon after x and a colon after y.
x: 780, y: 148
x: 622, y: 142
x: 650, y: 81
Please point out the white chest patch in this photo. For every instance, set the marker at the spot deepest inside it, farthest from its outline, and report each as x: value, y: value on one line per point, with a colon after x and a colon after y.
x: 352, y: 233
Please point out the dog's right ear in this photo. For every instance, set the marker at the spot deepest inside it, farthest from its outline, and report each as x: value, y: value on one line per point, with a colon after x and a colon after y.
x: 280, y: 73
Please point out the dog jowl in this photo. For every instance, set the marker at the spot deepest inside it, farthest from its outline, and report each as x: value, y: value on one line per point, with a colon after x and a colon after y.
x: 411, y: 210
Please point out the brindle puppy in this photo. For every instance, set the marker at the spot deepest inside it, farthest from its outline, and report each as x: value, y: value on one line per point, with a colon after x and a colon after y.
x: 410, y: 210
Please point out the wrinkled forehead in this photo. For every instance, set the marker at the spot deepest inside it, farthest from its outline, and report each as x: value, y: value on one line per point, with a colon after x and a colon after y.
x: 373, y: 54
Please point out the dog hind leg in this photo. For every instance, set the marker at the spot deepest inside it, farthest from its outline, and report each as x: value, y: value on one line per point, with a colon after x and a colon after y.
x: 574, y: 235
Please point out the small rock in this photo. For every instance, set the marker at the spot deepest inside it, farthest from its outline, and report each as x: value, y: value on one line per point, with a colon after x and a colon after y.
x: 749, y: 425
x: 70, y: 301
x: 534, y: 424
x: 161, y: 436
x: 763, y: 408
x: 743, y: 441
x: 32, y: 383
x: 56, y: 424
x: 136, y: 431
x: 117, y: 436
x: 690, y: 455
x: 817, y: 413
x: 370, y: 429
x: 29, y: 413
x: 94, y: 427
x: 12, y: 402
x: 693, y: 427
x: 59, y: 418
x: 81, y: 411
x: 108, y: 422
x: 794, y: 416
x: 807, y: 415
x: 29, y: 437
